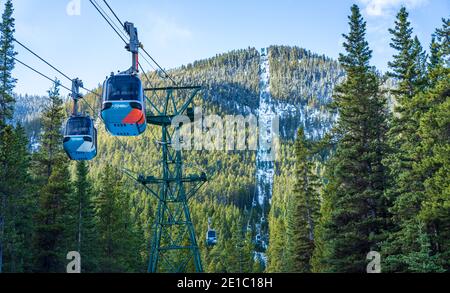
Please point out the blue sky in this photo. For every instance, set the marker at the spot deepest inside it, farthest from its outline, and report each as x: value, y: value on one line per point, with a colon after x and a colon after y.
x: 178, y: 32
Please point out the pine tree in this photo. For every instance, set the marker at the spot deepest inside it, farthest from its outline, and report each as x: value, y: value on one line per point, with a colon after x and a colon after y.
x: 244, y: 246
x: 302, y: 210
x: 404, y: 65
x: 83, y: 236
x: 117, y: 239
x: 439, y: 52
x: 278, y: 258
x: 420, y: 68
x: 433, y: 151
x: 276, y: 252
x: 443, y: 38
x: 53, y: 177
x: 50, y: 151
x: 7, y: 53
x: 355, y: 172
x: 52, y: 219
x: 434, y: 55
x: 321, y: 249
x: 423, y: 260
x: 247, y: 254
x: 405, y: 187
x: 408, y: 68
x: 25, y: 203
x: 7, y: 83
x: 18, y: 202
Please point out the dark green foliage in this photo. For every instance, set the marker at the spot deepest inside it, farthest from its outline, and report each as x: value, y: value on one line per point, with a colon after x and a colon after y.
x: 422, y: 260
x: 433, y: 166
x: 7, y: 53
x: 418, y: 95
x: 52, y: 219
x: 51, y: 151
x: 54, y: 189
x: 300, y: 76
x: 293, y: 218
x: 443, y: 38
x: 116, y: 233
x: 303, y: 209
x: 14, y: 197
x: 355, y: 172
x: 17, y: 203
x: 404, y: 67
x: 83, y: 234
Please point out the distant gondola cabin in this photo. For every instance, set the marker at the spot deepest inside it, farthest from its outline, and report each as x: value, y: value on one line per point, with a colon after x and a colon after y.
x: 211, y: 237
x: 80, y: 138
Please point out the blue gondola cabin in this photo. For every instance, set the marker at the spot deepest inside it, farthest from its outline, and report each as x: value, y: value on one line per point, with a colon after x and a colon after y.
x: 80, y: 139
x: 123, y: 108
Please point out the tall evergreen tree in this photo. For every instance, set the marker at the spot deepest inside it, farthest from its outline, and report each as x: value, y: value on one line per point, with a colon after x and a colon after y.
x: 443, y: 38
x: 7, y: 53
x: 18, y: 202
x: 434, y: 54
x: 433, y: 150
x: 405, y: 187
x: 277, y: 255
x: 420, y: 68
x: 117, y: 239
x: 356, y: 172
x: 422, y: 260
x: 321, y: 249
x: 302, y: 210
x: 53, y: 177
x: 439, y: 54
x: 50, y: 152
x: 408, y: 69
x: 7, y: 83
x: 404, y: 66
x: 83, y: 236
x: 52, y: 219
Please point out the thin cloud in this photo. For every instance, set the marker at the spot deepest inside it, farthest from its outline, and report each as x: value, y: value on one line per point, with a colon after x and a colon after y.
x: 166, y: 31
x: 378, y: 8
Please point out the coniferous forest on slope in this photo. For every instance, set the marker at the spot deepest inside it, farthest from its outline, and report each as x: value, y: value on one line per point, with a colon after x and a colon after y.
x: 363, y: 166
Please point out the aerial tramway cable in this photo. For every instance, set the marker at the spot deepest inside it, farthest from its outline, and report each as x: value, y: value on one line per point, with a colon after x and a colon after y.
x: 106, y: 19
x: 111, y: 23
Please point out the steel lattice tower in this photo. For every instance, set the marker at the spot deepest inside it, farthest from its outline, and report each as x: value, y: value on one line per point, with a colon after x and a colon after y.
x: 174, y: 246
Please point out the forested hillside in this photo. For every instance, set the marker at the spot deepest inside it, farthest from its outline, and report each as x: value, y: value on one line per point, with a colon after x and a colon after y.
x: 231, y: 86
x: 363, y: 165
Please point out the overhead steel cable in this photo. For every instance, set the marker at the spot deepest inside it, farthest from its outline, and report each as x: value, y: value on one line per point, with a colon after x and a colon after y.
x: 52, y: 66
x: 106, y: 19
x: 115, y: 15
x: 167, y: 75
x: 148, y: 62
x: 43, y: 75
x: 123, y: 27
x: 42, y: 59
x: 112, y: 24
x: 120, y: 28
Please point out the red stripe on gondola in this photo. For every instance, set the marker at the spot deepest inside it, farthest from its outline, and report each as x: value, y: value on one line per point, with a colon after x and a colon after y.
x: 142, y: 121
x: 133, y: 117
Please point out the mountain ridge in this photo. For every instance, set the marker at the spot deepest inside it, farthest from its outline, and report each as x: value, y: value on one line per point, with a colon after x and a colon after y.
x: 231, y: 85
